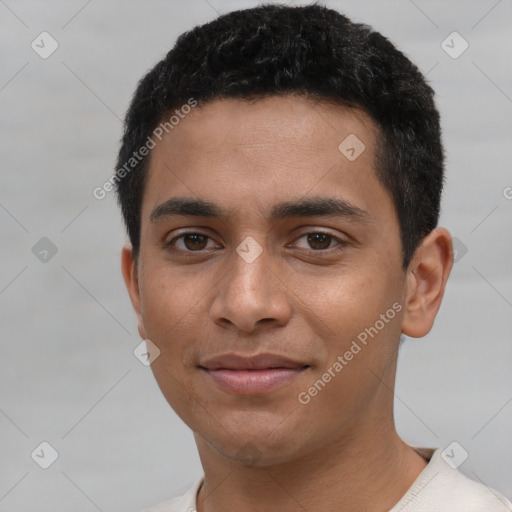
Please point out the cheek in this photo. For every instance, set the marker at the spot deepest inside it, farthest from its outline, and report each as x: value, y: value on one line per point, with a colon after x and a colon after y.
x: 345, y: 298
x: 351, y: 312
x: 360, y: 345
x: 173, y: 312
x: 167, y: 297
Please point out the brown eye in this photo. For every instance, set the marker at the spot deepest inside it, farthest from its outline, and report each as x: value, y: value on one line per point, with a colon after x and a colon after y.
x: 319, y: 241
x: 190, y: 242
x: 195, y: 242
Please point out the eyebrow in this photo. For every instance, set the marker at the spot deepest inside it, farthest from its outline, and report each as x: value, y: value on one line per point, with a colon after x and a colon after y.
x: 307, y: 207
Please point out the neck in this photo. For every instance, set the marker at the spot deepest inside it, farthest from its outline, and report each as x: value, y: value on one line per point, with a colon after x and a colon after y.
x: 370, y: 471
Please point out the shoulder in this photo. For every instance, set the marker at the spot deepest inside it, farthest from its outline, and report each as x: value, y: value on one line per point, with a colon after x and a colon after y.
x: 441, y: 487
x: 184, y: 503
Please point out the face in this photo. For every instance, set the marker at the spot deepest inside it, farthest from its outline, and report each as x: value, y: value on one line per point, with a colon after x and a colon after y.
x: 270, y: 275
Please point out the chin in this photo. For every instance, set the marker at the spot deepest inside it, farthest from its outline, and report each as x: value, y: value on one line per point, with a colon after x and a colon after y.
x: 256, y: 447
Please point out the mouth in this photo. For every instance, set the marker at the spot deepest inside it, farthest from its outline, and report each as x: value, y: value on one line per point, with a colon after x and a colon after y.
x: 252, y: 375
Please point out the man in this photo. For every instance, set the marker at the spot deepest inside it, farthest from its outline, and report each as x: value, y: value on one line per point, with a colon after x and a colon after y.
x: 280, y: 177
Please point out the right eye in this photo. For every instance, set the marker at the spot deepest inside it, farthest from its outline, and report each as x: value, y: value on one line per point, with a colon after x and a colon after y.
x: 189, y: 242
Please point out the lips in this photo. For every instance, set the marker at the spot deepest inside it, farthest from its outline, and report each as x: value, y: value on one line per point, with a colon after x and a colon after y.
x: 257, y: 362
x: 252, y: 375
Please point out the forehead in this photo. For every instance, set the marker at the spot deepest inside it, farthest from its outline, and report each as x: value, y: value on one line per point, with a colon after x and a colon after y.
x: 265, y: 150
x: 312, y: 125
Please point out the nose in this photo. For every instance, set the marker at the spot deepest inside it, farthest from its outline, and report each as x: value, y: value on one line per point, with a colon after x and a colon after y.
x: 251, y: 294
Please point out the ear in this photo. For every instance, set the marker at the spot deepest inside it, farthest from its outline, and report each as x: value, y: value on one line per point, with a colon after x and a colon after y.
x: 131, y: 280
x: 426, y: 279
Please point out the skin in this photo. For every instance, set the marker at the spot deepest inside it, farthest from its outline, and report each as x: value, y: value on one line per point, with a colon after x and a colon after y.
x: 305, y: 300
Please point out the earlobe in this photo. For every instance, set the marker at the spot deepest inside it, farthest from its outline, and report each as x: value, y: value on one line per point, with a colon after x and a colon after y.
x: 131, y: 281
x: 426, y: 281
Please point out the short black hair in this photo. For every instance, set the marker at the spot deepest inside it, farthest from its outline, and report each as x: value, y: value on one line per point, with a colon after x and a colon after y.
x: 312, y: 51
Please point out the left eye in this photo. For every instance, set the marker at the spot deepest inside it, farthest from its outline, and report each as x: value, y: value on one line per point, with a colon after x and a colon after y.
x: 319, y: 241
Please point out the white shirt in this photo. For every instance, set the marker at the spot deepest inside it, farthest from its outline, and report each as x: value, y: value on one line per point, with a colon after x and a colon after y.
x: 438, y: 488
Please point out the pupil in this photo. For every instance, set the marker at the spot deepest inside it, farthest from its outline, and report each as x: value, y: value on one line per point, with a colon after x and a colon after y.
x: 197, y: 241
x: 321, y: 239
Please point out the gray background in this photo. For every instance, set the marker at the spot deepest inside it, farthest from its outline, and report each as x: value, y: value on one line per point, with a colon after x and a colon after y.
x: 68, y: 374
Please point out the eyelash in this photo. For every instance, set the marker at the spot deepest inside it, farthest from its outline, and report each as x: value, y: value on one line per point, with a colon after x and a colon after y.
x: 340, y: 244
